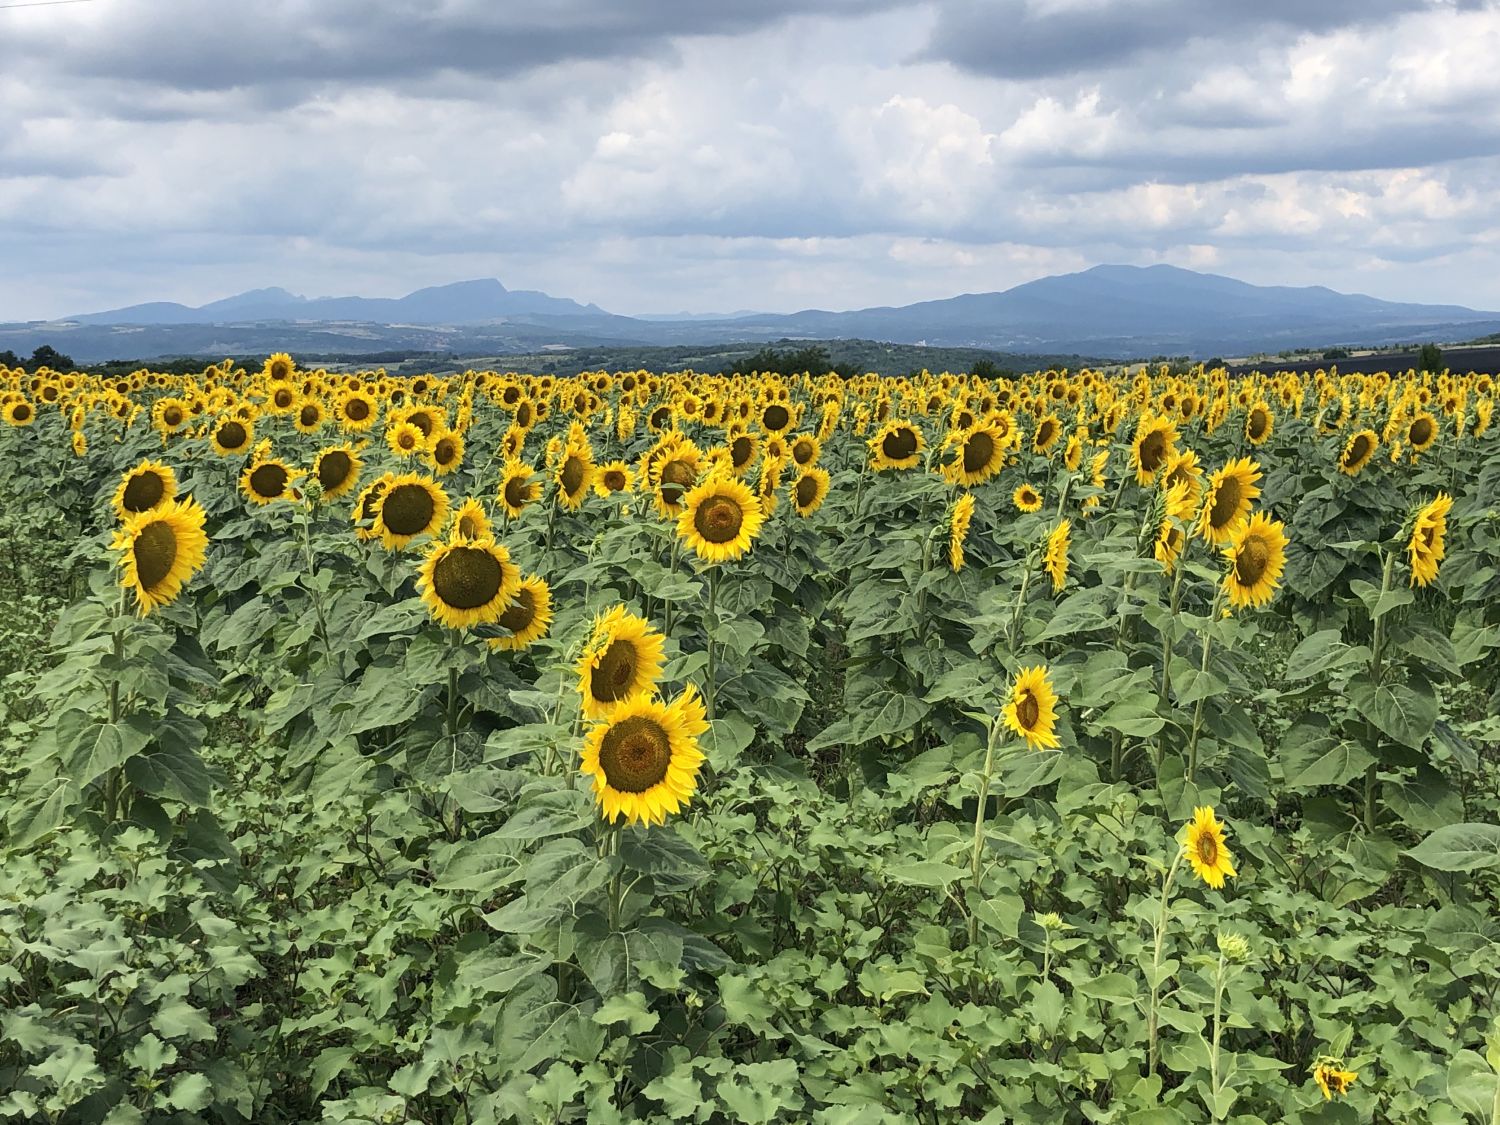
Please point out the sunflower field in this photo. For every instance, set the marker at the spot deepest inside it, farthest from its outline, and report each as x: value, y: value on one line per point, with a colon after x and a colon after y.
x: 1107, y: 747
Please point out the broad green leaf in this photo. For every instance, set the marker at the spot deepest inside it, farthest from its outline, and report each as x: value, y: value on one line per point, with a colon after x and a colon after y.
x: 1459, y: 847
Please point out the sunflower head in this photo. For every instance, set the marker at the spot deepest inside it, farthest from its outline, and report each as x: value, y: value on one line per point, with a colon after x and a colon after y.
x: 337, y: 470
x: 810, y: 490
x: 623, y: 659
x: 897, y: 445
x: 1256, y: 555
x: 232, y: 435
x: 958, y: 530
x: 1425, y: 549
x: 1204, y: 848
x: 644, y: 757
x: 720, y: 518
x: 1026, y: 499
x: 143, y: 488
x: 1055, y: 557
x: 518, y: 488
x: 1031, y: 710
x: 528, y: 616
x: 1357, y: 452
x: 411, y: 505
x: 467, y: 583
x: 266, y: 480
x: 1227, y: 499
x: 160, y: 549
x: 470, y: 524
x: 1332, y: 1079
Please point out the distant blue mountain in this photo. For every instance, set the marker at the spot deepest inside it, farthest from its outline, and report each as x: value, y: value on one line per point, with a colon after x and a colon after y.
x: 1127, y: 312
x: 464, y: 302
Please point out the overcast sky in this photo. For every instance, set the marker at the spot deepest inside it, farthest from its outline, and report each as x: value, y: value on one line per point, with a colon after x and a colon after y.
x: 715, y: 155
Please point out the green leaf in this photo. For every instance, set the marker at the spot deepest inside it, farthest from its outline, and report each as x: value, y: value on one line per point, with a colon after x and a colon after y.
x: 190, y: 1092
x: 1323, y: 761
x: 630, y: 1009
x: 90, y: 749
x: 546, y: 814
x: 1115, y: 988
x: 1459, y: 847
x: 1471, y: 1084
x: 926, y: 873
x: 1404, y: 711
x: 1319, y: 654
x: 1134, y: 717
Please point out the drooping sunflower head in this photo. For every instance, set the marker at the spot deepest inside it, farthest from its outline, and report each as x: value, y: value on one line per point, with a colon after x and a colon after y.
x: 1425, y: 549
x: 1256, y: 555
x: 1031, y: 710
x: 337, y: 470
x: 1170, y: 540
x: 147, y: 486
x: 1227, y: 500
x: 898, y: 444
x: 160, y: 549
x: 518, y: 488
x: 1204, y: 848
x: 528, y: 616
x: 466, y: 583
x: 411, y: 505
x: 1055, y: 557
x: 1026, y: 498
x: 470, y: 524
x: 644, y: 757
x: 266, y: 480
x: 623, y: 659
x: 1357, y: 452
x: 958, y: 530
x: 720, y: 518
x: 810, y: 490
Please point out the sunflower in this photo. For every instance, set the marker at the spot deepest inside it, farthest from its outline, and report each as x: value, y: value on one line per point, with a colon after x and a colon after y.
x: 412, y: 505
x: 1154, y: 446
x: 623, y: 659
x: 310, y: 416
x: 405, y: 439
x: 267, y: 480
x: 1421, y: 432
x: 20, y: 413
x: 644, y: 757
x: 674, y: 472
x: 1227, y: 499
x: 528, y: 617
x: 1203, y: 847
x: 466, y: 583
x: 470, y: 524
x: 805, y: 450
x: 1170, y: 541
x: 337, y: 470
x: 1055, y: 558
x: 720, y: 518
x: 1256, y: 556
x: 518, y: 488
x: 367, y: 508
x: 232, y: 435
x: 1357, y: 452
x: 1184, y: 469
x: 743, y: 449
x: 896, y: 445
x: 445, y: 451
x: 1332, y: 1078
x: 161, y: 548
x: 80, y: 443
x: 776, y: 418
x: 1258, y: 423
x: 1425, y: 548
x: 810, y: 490
x: 575, y: 476
x: 1026, y: 498
x: 958, y: 530
x: 612, y: 477
x: 1073, y: 452
x: 1048, y: 430
x: 279, y: 368
x: 981, y: 454
x: 1031, y: 710
x: 147, y: 486
x: 357, y: 411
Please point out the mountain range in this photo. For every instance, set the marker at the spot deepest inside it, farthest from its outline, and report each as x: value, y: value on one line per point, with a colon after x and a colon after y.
x: 1124, y: 312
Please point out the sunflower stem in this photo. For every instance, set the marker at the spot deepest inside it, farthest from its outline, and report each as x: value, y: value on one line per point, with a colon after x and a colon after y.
x: 996, y: 731
x: 710, y: 620
x: 1015, y: 613
x: 1213, y: 1053
x: 1377, y: 644
x: 1213, y: 615
x: 1159, y: 935
x: 308, y: 558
